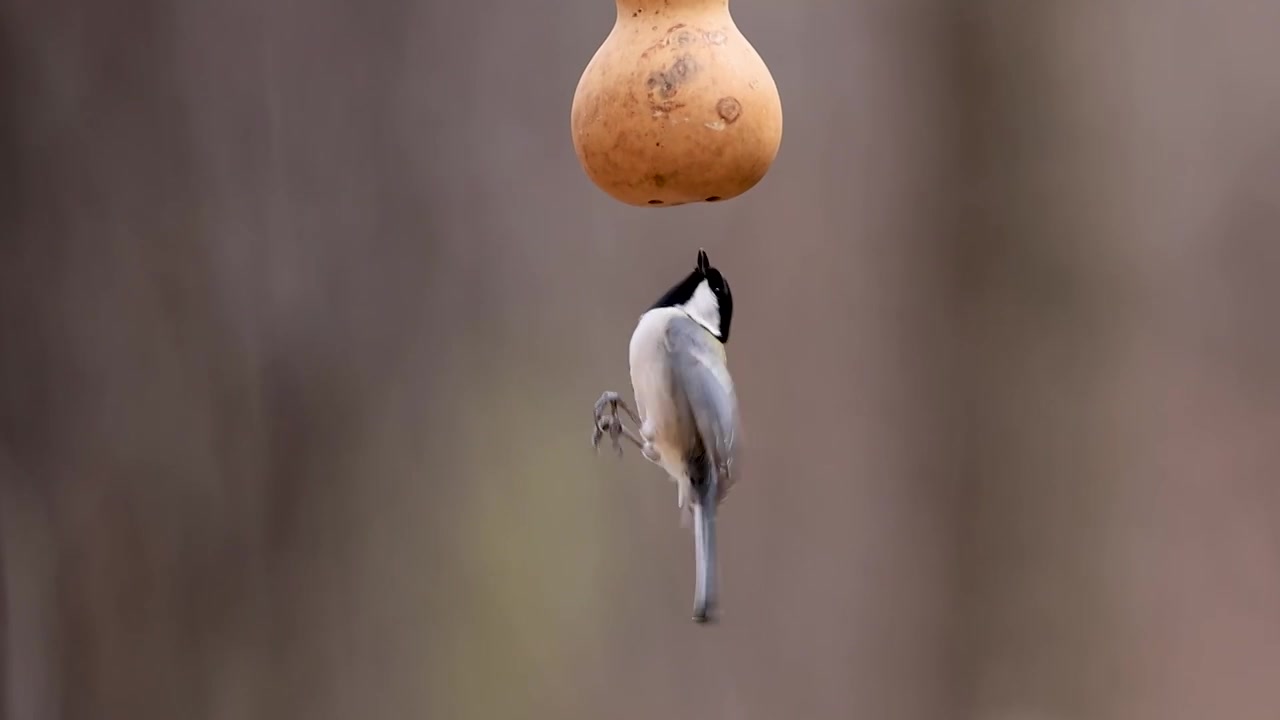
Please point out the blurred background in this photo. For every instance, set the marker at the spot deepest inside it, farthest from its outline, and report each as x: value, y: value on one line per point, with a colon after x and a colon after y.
x: 304, y: 306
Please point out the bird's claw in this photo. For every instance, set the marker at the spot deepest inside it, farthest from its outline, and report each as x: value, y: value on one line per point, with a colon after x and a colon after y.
x: 606, y: 420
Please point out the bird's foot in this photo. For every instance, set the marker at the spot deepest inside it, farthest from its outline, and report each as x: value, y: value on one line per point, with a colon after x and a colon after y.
x: 605, y: 420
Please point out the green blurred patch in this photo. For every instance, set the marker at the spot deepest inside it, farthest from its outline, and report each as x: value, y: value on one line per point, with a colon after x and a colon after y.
x: 535, y: 550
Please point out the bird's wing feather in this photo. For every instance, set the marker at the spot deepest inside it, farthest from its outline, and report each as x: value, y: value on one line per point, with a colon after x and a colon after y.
x: 696, y: 360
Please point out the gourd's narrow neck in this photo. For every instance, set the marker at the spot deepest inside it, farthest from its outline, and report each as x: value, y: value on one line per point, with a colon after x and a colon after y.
x: 661, y: 7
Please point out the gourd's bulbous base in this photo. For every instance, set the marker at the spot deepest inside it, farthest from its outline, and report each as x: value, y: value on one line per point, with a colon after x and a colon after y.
x: 676, y: 107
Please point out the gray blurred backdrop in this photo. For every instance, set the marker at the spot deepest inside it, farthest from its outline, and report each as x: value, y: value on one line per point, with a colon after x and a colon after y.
x: 303, y: 308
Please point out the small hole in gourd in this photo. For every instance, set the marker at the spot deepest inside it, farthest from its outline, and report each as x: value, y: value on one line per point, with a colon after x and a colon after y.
x: 713, y: 198
x: 655, y: 202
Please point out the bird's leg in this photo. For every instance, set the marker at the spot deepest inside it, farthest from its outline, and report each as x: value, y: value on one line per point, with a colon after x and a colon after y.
x: 606, y: 420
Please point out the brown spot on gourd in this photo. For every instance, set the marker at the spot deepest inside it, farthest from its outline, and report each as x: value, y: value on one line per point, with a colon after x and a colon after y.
x: 728, y: 108
x: 666, y: 107
x: 665, y: 83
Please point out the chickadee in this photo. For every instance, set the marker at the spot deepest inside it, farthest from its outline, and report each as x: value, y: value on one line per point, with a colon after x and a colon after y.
x: 686, y: 410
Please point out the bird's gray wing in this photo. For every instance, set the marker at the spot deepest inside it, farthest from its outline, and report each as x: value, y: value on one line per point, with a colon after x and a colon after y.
x: 697, y: 363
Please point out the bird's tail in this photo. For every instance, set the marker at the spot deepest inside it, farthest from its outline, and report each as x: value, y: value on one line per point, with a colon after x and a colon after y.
x: 704, y: 547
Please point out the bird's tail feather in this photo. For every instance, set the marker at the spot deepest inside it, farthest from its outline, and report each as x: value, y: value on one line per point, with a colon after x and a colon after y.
x: 704, y: 544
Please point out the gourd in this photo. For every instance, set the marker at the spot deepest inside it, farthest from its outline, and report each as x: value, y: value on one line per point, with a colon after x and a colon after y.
x: 676, y: 106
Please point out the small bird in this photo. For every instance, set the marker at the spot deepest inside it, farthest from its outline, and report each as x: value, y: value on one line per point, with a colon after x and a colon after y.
x: 686, y: 410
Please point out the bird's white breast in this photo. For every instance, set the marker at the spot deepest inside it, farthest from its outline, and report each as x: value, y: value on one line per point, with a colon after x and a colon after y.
x: 650, y: 381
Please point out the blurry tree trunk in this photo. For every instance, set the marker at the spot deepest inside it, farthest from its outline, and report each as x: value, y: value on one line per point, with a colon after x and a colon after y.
x: 1118, y: 328
x: 210, y: 409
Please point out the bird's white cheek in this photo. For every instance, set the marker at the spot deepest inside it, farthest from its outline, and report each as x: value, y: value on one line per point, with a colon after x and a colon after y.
x: 704, y: 309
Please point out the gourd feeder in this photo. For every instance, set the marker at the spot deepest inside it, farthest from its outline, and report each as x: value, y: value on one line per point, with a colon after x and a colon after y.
x: 676, y: 106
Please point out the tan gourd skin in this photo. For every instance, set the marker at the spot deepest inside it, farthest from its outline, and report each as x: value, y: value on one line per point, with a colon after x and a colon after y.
x: 676, y: 106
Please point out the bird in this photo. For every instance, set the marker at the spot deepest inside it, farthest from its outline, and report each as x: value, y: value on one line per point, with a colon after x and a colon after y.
x: 686, y: 409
